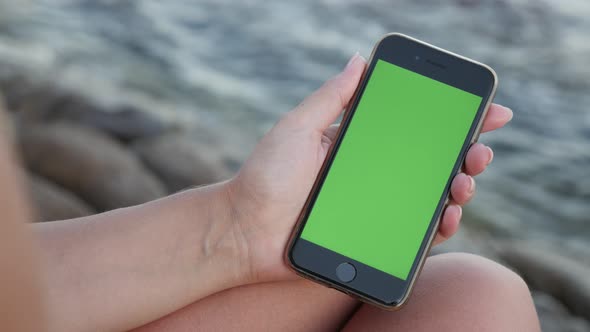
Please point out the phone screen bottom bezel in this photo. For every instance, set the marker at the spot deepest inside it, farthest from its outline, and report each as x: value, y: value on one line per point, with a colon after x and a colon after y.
x: 321, y: 263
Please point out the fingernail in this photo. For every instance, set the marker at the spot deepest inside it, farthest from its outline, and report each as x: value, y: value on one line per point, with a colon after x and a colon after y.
x: 352, y: 59
x: 471, y: 185
x: 490, y: 155
x: 509, y: 112
x: 456, y: 207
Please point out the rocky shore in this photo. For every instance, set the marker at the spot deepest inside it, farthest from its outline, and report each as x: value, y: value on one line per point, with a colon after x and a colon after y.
x: 82, y: 158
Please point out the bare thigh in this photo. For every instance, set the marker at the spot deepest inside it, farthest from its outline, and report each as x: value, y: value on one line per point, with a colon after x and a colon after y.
x: 455, y: 292
x: 282, y: 306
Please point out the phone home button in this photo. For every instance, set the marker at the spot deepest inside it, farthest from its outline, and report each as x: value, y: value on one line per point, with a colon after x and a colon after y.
x: 346, y: 272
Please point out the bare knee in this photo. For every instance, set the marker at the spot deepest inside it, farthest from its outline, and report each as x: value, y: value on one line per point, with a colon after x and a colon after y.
x: 459, y: 292
x: 481, y: 293
x: 468, y: 276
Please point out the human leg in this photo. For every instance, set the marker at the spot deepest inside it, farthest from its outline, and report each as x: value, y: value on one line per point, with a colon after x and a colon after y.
x: 458, y: 292
x: 298, y: 305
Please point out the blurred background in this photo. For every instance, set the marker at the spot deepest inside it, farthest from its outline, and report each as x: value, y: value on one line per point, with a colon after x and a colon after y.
x: 118, y: 102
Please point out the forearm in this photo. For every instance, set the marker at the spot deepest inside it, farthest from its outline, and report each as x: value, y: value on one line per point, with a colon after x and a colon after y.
x: 121, y: 269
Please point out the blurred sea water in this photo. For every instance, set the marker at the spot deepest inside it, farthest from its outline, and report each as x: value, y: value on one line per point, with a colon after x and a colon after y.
x: 234, y: 67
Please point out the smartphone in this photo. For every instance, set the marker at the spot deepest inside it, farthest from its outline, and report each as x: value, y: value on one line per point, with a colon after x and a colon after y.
x: 374, y: 210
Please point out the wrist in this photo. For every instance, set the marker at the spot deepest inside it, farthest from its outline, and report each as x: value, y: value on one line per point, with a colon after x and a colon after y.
x: 224, y: 243
x: 262, y: 231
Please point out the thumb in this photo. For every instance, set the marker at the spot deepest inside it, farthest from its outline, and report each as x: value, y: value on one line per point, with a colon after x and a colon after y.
x: 323, y: 107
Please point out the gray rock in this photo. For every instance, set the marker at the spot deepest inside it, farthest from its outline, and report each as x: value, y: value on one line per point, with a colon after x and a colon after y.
x: 470, y: 240
x: 32, y: 102
x: 88, y: 163
x: 125, y: 123
x: 555, y: 317
x: 51, y: 202
x: 544, y: 268
x: 15, y: 89
x: 48, y: 103
x: 6, y: 122
x: 180, y: 161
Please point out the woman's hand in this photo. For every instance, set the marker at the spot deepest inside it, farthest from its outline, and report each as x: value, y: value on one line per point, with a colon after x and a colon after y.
x: 270, y: 190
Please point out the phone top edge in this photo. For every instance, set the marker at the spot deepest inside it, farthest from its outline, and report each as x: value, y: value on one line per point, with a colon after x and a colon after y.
x: 462, y: 57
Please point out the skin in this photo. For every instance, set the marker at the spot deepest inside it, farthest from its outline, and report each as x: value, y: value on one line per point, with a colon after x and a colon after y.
x: 125, y: 268
x: 19, y: 283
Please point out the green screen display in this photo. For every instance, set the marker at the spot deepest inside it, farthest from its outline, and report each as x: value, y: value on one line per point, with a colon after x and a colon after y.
x: 391, y: 169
